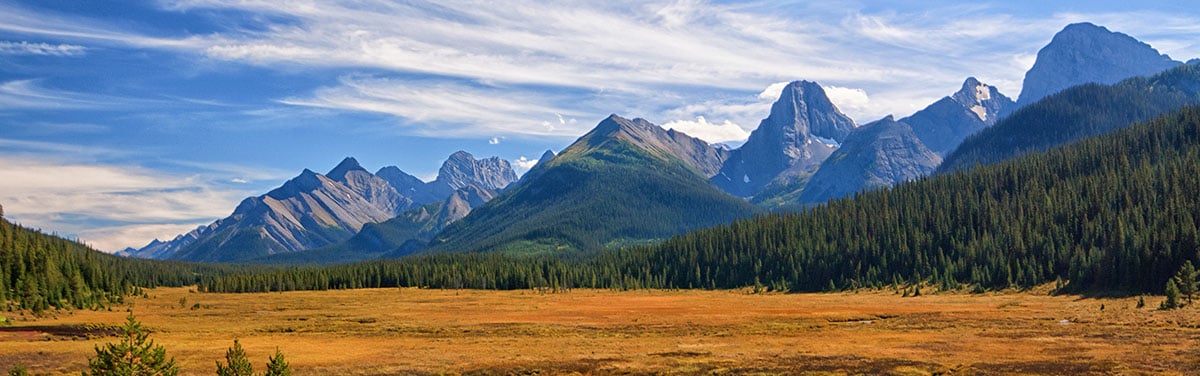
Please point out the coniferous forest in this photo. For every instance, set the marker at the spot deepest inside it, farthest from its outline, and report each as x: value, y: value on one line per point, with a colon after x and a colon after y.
x: 1114, y: 213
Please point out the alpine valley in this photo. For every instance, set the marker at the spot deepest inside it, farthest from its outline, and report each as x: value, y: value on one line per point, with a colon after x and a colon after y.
x: 630, y: 182
x: 1086, y: 185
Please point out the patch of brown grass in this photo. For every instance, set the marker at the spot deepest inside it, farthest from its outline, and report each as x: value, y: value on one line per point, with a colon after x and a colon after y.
x: 414, y: 331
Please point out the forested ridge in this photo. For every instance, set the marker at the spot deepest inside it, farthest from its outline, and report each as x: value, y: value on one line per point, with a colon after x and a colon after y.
x: 1115, y: 213
x: 1076, y: 113
x: 41, y: 271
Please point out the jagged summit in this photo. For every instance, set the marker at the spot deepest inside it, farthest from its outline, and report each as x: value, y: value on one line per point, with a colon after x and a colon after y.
x: 349, y: 164
x: 1086, y: 53
x: 805, y: 106
x: 946, y: 123
x: 803, y: 128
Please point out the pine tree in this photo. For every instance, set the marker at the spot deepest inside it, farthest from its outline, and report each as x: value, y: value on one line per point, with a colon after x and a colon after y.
x: 136, y: 354
x: 1186, y: 279
x: 277, y: 366
x: 1172, y: 301
x: 236, y: 363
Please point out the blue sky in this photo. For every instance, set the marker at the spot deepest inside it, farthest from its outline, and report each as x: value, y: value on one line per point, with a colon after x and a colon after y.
x: 121, y: 122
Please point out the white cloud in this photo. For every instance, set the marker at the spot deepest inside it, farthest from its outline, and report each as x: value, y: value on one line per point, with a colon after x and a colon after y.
x: 494, y: 141
x: 709, y: 132
x: 643, y: 58
x: 35, y: 192
x: 772, y: 92
x: 41, y: 49
x: 848, y: 100
x: 445, y: 108
x: 524, y: 164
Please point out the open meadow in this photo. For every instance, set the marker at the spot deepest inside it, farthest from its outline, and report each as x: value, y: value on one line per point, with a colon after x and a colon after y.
x: 424, y: 331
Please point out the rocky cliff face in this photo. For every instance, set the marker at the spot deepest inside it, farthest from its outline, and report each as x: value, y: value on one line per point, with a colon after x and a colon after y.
x: 879, y: 154
x: 1085, y: 53
x: 463, y: 170
x: 803, y: 129
x: 946, y: 123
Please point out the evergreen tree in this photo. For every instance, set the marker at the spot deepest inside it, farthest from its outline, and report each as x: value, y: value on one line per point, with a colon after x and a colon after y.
x: 278, y: 366
x: 135, y: 354
x: 236, y: 363
x: 1186, y: 279
x: 1172, y: 301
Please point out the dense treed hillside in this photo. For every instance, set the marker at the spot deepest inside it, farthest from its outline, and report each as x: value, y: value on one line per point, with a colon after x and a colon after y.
x: 1115, y: 213
x: 40, y: 271
x: 1076, y: 113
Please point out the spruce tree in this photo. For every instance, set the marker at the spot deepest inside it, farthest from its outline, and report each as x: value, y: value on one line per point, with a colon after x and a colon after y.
x: 236, y: 363
x: 135, y: 354
x: 1186, y: 279
x: 1172, y: 301
x: 278, y: 366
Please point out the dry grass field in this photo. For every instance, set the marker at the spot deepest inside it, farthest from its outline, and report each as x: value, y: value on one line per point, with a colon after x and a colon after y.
x: 414, y: 331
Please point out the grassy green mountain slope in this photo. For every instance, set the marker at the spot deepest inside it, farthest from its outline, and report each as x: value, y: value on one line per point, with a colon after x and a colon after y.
x: 617, y: 185
x: 1076, y: 113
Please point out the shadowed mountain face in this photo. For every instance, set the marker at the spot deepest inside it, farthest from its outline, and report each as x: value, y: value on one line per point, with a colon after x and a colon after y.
x: 879, y: 154
x: 1085, y: 53
x: 946, y: 123
x: 314, y: 210
x: 625, y: 182
x: 803, y: 129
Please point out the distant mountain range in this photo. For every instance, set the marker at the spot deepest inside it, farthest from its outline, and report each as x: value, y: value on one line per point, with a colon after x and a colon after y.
x: 314, y: 210
x: 631, y: 182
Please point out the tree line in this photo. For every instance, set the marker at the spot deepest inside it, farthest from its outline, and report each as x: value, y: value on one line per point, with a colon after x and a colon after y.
x: 1116, y: 213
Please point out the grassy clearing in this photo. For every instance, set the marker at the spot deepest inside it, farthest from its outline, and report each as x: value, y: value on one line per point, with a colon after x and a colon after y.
x: 413, y: 331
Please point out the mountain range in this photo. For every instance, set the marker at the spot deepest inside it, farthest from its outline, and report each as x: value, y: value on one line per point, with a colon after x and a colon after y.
x: 629, y: 182
x: 314, y: 210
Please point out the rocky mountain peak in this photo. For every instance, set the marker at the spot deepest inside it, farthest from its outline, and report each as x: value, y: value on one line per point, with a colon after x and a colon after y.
x: 462, y: 169
x: 803, y: 128
x: 803, y: 108
x: 699, y: 155
x: 878, y: 154
x: 1086, y: 53
x: 945, y: 123
x: 397, y: 178
x: 549, y: 154
x: 347, y: 165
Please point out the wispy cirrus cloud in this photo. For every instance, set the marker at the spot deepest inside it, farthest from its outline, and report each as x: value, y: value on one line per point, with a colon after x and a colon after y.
x: 660, y: 55
x: 110, y: 205
x: 89, y: 200
x: 446, y: 108
x: 42, y: 49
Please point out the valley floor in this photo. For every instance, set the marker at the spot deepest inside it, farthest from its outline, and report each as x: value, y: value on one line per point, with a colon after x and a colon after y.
x: 414, y: 331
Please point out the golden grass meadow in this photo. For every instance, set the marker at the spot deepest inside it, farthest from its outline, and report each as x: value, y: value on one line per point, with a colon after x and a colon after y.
x: 427, y: 331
